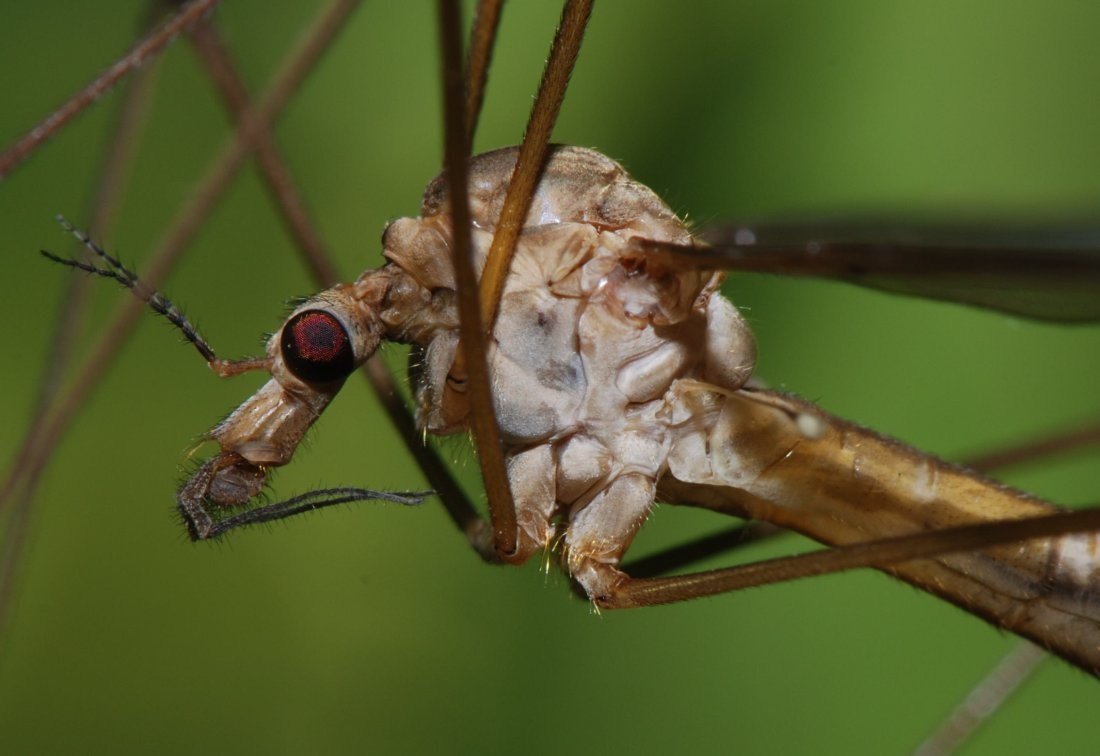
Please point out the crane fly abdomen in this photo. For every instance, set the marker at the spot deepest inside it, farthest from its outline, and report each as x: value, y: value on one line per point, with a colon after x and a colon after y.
x: 778, y: 458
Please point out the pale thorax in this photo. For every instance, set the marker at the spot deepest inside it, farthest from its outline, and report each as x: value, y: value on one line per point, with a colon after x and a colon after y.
x: 590, y: 337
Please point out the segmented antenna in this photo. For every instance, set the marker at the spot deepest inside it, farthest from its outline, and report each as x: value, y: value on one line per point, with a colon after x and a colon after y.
x: 116, y: 271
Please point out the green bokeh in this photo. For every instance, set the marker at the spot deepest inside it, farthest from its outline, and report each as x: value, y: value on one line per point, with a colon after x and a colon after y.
x: 374, y: 628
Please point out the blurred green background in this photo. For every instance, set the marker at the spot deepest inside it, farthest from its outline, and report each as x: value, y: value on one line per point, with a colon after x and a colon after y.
x: 375, y: 628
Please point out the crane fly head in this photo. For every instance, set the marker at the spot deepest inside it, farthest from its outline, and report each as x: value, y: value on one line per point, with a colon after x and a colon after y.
x: 318, y: 346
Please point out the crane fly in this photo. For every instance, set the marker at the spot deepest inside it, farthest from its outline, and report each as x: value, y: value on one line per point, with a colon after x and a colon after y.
x: 980, y: 419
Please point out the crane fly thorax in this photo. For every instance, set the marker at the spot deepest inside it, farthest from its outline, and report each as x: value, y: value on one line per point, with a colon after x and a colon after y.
x: 569, y: 258
x: 590, y: 337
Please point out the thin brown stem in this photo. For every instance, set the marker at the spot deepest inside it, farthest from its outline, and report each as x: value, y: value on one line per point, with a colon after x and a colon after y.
x: 138, y: 54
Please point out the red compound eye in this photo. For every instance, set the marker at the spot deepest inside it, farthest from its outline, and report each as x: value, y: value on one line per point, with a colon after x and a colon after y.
x: 316, y: 348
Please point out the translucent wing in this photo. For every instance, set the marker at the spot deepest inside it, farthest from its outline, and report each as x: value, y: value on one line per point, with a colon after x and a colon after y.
x: 1045, y: 273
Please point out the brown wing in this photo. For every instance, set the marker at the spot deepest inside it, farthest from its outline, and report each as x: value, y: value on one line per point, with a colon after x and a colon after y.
x: 1042, y: 273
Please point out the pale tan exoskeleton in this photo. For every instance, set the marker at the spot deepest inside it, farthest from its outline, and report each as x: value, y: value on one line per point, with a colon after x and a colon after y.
x: 737, y: 648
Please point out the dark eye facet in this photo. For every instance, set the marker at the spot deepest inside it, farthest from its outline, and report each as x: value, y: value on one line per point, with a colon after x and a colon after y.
x: 316, y: 348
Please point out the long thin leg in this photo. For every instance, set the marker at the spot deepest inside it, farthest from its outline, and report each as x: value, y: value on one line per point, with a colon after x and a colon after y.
x: 145, y: 49
x: 1038, y: 449
x: 277, y: 178
x: 704, y: 547
x: 482, y: 41
x: 628, y: 592
x: 502, y: 508
x: 532, y: 153
x: 447, y: 489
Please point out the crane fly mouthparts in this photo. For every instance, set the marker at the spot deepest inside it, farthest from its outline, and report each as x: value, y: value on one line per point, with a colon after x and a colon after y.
x: 225, y: 481
x: 235, y: 485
